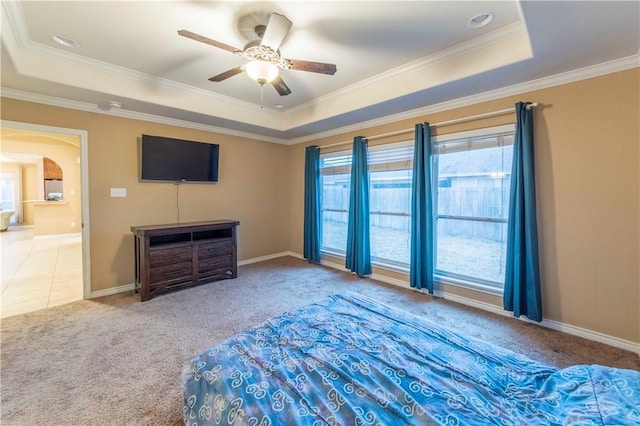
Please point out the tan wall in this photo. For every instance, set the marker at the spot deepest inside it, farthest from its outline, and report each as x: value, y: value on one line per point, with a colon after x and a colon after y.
x: 53, y: 218
x: 252, y: 188
x: 29, y: 191
x: 587, y: 165
x: 587, y: 177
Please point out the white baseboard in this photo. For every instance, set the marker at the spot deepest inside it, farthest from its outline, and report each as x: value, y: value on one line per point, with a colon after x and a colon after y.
x: 129, y: 287
x: 112, y: 290
x: 263, y: 258
x: 294, y: 254
x: 554, y: 325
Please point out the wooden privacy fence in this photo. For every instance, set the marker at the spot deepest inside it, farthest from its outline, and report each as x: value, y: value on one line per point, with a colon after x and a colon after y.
x: 478, y: 212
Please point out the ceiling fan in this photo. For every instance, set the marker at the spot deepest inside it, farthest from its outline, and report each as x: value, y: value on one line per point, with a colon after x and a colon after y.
x: 264, y: 56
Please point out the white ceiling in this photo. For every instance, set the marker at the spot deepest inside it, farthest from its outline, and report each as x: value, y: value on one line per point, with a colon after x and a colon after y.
x: 391, y: 56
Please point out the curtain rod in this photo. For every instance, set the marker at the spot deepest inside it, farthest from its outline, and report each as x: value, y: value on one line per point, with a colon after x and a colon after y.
x: 441, y: 124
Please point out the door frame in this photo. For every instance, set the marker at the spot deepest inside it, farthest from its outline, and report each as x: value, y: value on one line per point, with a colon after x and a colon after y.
x: 84, y: 188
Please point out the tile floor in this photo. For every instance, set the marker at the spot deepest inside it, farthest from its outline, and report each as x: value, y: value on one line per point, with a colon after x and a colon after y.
x: 39, y: 272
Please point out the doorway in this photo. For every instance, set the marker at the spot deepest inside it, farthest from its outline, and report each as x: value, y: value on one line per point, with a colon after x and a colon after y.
x: 45, y: 249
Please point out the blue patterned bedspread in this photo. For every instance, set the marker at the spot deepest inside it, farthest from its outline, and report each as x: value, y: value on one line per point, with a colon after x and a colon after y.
x: 348, y: 360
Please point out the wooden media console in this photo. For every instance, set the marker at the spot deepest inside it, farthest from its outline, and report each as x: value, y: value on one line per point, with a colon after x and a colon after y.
x: 174, y: 256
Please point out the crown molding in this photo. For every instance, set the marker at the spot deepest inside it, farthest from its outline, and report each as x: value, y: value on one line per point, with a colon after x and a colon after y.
x: 89, y: 107
x: 15, y: 15
x: 20, y: 39
x: 609, y: 67
x: 592, y: 71
x: 508, y: 32
x: 115, y: 70
x: 17, y: 22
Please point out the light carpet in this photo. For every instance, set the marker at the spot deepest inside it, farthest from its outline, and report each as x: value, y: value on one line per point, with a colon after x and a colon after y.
x: 117, y: 361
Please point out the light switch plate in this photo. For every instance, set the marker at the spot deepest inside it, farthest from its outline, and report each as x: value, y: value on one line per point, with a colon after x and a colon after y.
x: 118, y: 192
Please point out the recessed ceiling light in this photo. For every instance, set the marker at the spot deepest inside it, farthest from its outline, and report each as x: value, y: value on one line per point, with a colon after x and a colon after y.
x: 480, y: 20
x: 115, y: 104
x: 65, y: 41
x: 280, y: 106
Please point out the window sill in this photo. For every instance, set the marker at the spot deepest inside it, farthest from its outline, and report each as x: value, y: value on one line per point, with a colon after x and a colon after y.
x: 469, y: 285
x: 404, y: 269
x: 440, y: 279
x: 333, y: 253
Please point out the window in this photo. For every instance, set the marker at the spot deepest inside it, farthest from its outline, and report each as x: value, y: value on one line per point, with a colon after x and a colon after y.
x: 390, y: 172
x: 473, y: 172
x: 8, y: 192
x: 471, y: 182
x: 335, y: 178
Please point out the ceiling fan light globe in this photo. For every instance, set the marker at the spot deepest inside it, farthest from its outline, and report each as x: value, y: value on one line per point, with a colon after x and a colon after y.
x: 262, y: 71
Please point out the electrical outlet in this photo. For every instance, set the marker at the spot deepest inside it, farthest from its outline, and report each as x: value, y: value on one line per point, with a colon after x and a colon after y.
x: 118, y: 192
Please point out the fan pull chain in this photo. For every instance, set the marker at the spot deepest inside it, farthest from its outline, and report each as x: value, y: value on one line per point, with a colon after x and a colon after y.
x: 261, y: 96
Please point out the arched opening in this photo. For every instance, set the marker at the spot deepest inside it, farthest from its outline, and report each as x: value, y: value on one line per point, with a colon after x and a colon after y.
x: 52, y: 180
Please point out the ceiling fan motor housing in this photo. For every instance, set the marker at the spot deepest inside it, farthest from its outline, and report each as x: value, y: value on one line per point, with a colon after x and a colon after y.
x: 260, y: 29
x: 256, y: 52
x: 264, y: 55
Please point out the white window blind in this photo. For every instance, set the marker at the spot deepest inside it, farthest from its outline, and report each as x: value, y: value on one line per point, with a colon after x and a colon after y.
x: 475, y: 139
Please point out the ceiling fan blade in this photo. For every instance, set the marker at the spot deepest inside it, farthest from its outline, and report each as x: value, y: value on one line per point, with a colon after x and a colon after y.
x: 280, y: 86
x: 277, y: 29
x: 318, y: 67
x: 225, y: 75
x: 210, y: 42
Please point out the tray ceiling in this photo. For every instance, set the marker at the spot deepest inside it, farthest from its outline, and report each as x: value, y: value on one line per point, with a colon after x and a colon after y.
x: 391, y: 57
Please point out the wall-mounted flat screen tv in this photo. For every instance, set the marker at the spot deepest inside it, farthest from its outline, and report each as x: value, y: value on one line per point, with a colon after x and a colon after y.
x: 176, y: 160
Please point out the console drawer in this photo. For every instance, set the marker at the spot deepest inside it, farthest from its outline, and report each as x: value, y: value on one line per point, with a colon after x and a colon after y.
x: 171, y: 272
x: 215, y: 264
x: 214, y: 249
x: 170, y: 256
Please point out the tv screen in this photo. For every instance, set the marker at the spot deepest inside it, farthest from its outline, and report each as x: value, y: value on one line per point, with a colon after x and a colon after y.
x: 176, y: 160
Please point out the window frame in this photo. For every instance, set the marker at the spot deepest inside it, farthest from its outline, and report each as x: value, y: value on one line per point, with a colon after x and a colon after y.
x: 342, y: 167
x: 442, y: 277
x: 374, y: 163
x: 403, y: 164
x: 450, y: 278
